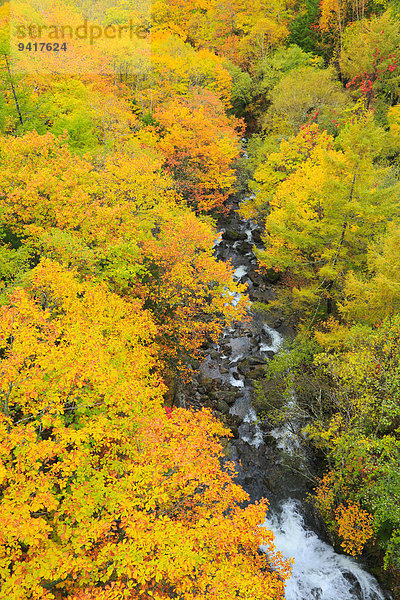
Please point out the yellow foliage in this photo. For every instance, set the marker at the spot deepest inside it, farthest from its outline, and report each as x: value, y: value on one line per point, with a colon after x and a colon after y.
x: 119, y: 222
x: 100, y: 485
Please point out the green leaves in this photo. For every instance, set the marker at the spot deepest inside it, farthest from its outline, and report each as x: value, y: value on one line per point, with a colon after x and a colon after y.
x: 361, y: 432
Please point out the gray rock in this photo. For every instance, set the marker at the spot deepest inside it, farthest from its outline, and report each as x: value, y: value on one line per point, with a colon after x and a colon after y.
x: 222, y: 407
x: 230, y: 398
x: 257, y: 236
x: 244, y: 367
x: 257, y: 373
x: 255, y: 360
x: 255, y: 278
x: 244, y: 247
x: 245, y: 430
x: 233, y: 236
x: 240, y: 345
x: 231, y: 451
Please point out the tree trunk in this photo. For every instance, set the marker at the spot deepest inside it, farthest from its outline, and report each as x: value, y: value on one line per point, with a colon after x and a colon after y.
x: 13, y: 91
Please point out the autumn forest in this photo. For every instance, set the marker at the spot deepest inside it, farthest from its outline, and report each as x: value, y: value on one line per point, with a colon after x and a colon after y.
x: 119, y: 156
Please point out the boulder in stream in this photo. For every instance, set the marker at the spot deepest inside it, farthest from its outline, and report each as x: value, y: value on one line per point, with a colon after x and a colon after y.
x: 233, y: 236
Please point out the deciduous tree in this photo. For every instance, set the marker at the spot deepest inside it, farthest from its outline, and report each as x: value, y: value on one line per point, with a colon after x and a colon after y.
x: 103, y: 493
x: 316, y: 233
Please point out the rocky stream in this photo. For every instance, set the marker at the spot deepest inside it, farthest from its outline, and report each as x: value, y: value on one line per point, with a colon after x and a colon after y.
x: 270, y: 460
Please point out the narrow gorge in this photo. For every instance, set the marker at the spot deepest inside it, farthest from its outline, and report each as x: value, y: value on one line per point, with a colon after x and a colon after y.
x: 271, y: 461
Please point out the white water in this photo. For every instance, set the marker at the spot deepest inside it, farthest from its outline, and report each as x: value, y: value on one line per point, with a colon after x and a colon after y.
x: 287, y: 434
x: 276, y: 340
x: 243, y: 409
x: 236, y: 382
x: 240, y: 272
x: 318, y: 572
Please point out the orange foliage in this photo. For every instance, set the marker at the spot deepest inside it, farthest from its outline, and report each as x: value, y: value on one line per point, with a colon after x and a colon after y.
x: 105, y: 495
x: 336, y: 14
x: 120, y: 223
x: 351, y: 523
x: 242, y: 30
x: 199, y: 143
x: 99, y: 486
x: 354, y: 527
x: 324, y: 495
x: 177, y: 69
x: 184, y: 282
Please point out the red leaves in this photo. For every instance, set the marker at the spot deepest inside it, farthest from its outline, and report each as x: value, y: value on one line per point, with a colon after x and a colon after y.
x: 382, y: 65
